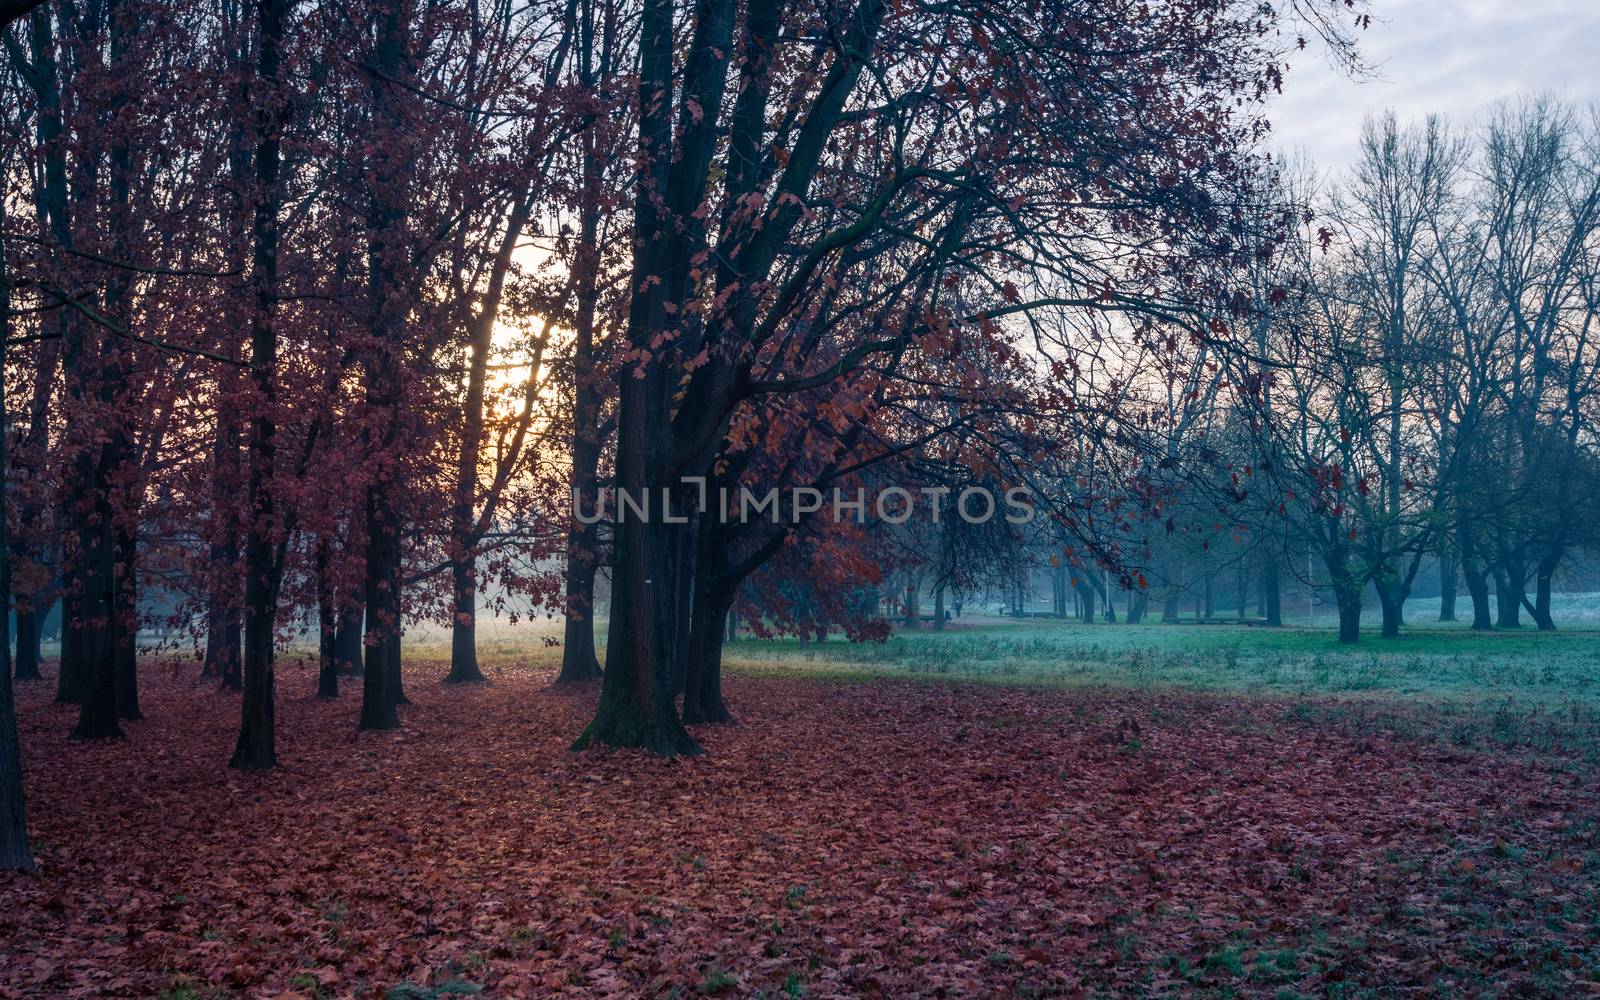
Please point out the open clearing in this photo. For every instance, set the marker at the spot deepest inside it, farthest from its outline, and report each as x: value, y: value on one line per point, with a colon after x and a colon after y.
x: 1121, y: 821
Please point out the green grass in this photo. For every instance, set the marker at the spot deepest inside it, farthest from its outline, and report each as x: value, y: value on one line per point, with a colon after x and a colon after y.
x: 1555, y: 666
x: 1507, y: 689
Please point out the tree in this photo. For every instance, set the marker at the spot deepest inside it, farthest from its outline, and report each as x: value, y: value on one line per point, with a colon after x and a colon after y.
x: 931, y: 145
x: 14, y: 851
x: 256, y: 747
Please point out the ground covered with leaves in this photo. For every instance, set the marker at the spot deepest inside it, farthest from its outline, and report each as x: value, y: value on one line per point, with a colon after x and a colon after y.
x: 876, y: 838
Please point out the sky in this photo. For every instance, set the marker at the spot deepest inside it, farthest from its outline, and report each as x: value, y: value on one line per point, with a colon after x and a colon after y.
x: 1452, y: 56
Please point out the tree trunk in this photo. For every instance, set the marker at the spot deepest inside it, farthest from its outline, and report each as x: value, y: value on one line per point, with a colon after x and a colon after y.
x: 1271, y: 593
x: 1477, y: 581
x: 378, y: 696
x: 1171, y: 603
x: 27, y: 662
x: 1508, y: 594
x: 396, y: 674
x: 14, y: 852
x: 127, y: 648
x: 97, y: 581
x: 69, y: 672
x: 224, y: 642
x: 1390, y: 602
x: 1349, y: 616
x: 914, y: 608
x: 685, y: 557
x: 1449, y: 571
x: 938, y: 611
x: 387, y: 210
x: 464, y: 626
x: 1138, y: 602
x: 347, y: 641
x: 256, y: 748
x: 702, y: 695
x: 327, y: 625
x: 1347, y: 594
x: 579, y: 662
x: 1543, y: 576
x: 637, y: 694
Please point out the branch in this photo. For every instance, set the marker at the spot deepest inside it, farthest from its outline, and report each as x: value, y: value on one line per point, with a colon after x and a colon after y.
x: 12, y: 10
x: 112, y: 325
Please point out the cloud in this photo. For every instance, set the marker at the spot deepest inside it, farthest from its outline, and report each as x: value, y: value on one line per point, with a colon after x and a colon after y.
x: 1457, y: 57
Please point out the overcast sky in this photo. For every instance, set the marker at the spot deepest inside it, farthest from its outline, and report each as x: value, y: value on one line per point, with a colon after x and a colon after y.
x: 1451, y: 56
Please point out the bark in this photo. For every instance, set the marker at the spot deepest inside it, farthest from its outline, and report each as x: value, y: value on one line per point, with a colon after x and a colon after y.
x: 96, y: 628
x: 703, y: 700
x: 15, y: 854
x: 1543, y: 576
x: 464, y: 667
x: 1138, y: 604
x: 396, y: 675
x: 379, y: 690
x: 1477, y: 581
x: 27, y: 661
x: 1086, y: 596
x: 1475, y: 574
x: 89, y: 567
x: 1347, y: 595
x: 378, y: 697
x: 327, y: 625
x: 126, y: 652
x: 686, y: 565
x: 1271, y: 593
x: 1449, y: 572
x: 1349, y: 614
x: 69, y: 679
x: 5, y: 482
x: 655, y: 446
x: 1508, y: 592
x: 579, y: 662
x: 14, y: 10
x: 224, y: 639
x: 637, y: 696
x: 256, y: 748
x: 24, y: 471
x: 347, y: 640
x: 1390, y: 604
x: 713, y: 597
x: 1171, y: 603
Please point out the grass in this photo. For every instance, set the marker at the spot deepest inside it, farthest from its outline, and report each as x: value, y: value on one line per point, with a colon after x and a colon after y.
x: 1426, y: 661
x: 1503, y: 689
x: 1506, y: 689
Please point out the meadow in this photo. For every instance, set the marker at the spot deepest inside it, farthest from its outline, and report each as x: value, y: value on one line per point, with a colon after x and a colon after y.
x: 1508, y: 688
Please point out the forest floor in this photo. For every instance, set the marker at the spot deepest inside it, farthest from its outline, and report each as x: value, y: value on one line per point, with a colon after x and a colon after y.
x: 869, y: 827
